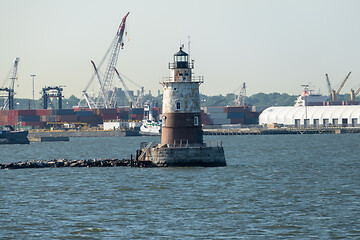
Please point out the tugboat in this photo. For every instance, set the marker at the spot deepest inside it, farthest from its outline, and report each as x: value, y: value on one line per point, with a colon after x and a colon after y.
x: 149, y: 126
x: 9, y: 136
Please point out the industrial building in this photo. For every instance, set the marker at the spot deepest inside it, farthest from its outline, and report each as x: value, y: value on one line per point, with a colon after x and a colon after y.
x: 311, y: 116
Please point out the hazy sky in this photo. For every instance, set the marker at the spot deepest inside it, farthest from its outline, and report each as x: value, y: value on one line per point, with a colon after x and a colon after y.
x: 272, y: 45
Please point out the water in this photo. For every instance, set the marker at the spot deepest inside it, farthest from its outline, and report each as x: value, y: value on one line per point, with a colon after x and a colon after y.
x: 274, y: 187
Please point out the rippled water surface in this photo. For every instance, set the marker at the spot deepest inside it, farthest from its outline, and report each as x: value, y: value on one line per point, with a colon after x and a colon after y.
x: 274, y: 187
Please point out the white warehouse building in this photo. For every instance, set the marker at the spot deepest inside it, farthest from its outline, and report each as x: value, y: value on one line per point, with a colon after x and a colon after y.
x: 312, y: 116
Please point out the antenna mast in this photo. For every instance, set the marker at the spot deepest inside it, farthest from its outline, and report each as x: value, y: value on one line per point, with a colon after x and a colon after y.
x: 189, y: 47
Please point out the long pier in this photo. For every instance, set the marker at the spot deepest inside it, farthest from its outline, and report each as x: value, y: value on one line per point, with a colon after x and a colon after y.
x: 61, y: 163
x: 83, y: 133
x: 269, y: 131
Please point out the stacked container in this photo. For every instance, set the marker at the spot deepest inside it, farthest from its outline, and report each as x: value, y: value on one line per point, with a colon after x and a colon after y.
x: 230, y: 115
x: 39, y: 118
x: 217, y: 115
x: 137, y: 114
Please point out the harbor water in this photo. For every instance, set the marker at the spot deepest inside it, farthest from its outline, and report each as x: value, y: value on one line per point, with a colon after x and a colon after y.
x: 274, y: 187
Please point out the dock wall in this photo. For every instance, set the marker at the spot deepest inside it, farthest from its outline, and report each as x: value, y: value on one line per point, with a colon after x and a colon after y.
x: 285, y: 130
x: 186, y: 156
x: 113, y: 133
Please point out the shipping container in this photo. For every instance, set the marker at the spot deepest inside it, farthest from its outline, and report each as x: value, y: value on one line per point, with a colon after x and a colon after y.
x: 123, y: 109
x: 52, y: 118
x: 33, y: 124
x: 252, y: 118
x: 218, y: 115
x: 44, y: 118
x: 5, y: 113
x: 137, y: 111
x: 45, y: 112
x: 109, y: 116
x: 84, y: 113
x: 237, y: 120
x: 220, y: 121
x: 236, y: 109
x: 64, y: 112
x: 92, y: 120
x: 235, y: 115
x: 29, y: 118
x: 68, y: 118
x: 105, y: 111
x: 213, y: 109
x: 79, y: 109
x: 26, y: 112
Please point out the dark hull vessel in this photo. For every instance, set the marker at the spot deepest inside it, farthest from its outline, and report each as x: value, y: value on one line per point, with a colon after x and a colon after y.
x: 9, y: 136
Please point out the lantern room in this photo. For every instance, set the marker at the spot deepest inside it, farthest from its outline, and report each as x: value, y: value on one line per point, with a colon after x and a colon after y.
x: 181, y: 59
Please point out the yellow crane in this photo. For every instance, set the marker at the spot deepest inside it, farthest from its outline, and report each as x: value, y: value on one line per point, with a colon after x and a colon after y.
x: 354, y: 93
x: 335, y: 93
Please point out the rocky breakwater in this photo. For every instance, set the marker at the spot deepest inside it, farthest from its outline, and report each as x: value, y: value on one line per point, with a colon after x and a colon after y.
x: 59, y: 163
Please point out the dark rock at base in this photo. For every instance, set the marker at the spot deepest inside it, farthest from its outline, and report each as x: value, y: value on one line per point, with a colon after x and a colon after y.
x: 58, y: 163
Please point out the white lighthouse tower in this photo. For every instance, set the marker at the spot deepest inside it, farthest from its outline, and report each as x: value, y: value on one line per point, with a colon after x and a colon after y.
x: 181, y: 103
x: 182, y: 136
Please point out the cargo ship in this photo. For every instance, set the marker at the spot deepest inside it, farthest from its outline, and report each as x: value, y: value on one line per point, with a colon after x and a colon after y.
x: 308, y: 98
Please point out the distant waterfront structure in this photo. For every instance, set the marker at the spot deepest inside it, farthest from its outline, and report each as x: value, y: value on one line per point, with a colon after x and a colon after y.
x: 312, y: 116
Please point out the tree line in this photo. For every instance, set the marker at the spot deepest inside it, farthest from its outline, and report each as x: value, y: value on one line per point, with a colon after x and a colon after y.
x: 258, y: 99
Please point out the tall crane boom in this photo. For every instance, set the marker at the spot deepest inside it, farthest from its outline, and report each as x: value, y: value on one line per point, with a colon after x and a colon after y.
x: 240, y: 100
x: 9, y: 102
x: 357, y: 91
x: 126, y: 90
x: 102, y: 95
x: 106, y: 92
x: 14, y: 73
x: 335, y: 93
x: 354, y: 93
x: 109, y: 73
x: 328, y: 83
x: 342, y: 84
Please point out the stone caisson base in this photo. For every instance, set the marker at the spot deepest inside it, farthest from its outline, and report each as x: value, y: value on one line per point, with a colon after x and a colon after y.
x: 186, y: 156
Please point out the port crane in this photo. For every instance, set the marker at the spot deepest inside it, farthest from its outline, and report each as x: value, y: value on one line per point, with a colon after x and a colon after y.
x: 335, y: 93
x: 240, y: 100
x: 9, y: 97
x: 52, y: 92
x: 354, y: 93
x: 105, y: 95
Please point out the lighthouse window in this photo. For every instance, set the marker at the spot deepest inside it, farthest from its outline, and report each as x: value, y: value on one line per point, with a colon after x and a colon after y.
x: 163, y: 121
x: 181, y: 58
x: 196, y: 121
x: 178, y: 106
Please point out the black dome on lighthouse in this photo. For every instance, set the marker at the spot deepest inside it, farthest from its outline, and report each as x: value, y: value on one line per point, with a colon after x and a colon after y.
x: 181, y: 53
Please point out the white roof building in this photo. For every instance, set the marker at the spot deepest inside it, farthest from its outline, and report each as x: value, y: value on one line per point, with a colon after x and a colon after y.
x: 312, y: 116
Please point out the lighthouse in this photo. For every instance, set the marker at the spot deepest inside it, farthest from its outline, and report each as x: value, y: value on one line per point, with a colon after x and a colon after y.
x: 182, y: 136
x: 181, y: 114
